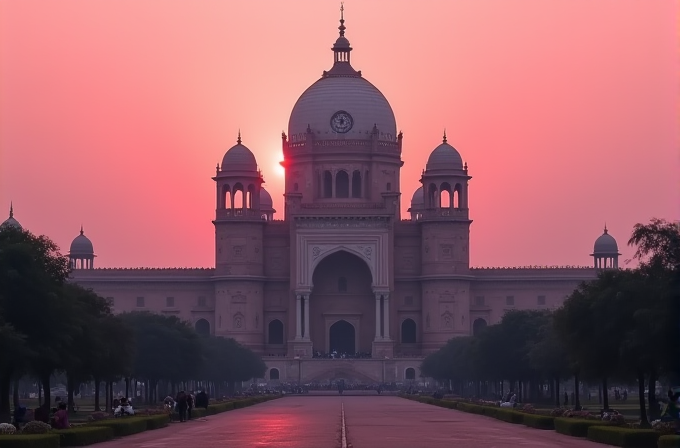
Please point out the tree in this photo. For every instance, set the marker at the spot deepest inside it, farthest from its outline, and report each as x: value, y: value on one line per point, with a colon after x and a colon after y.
x: 31, y: 272
x: 228, y: 361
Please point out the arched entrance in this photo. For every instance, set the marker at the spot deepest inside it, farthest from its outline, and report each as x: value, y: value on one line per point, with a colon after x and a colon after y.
x: 342, y: 305
x: 410, y: 374
x: 342, y: 338
x: 478, y: 325
x: 274, y: 374
x: 202, y: 327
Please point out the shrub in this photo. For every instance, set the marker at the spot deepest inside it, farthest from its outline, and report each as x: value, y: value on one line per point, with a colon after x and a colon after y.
x: 624, y: 437
x: 670, y: 441
x: 30, y: 441
x: 156, y: 421
x: 576, y: 427
x: 98, y: 415
x: 539, y: 421
x: 36, y: 427
x: 84, y: 435
x: 508, y: 415
x: 7, y: 428
x: 123, y: 426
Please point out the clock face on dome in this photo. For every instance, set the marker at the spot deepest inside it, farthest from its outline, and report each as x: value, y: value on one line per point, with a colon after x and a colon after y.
x: 341, y: 122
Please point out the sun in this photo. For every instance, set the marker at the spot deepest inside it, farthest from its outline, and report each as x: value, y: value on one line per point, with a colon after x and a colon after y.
x: 279, y: 170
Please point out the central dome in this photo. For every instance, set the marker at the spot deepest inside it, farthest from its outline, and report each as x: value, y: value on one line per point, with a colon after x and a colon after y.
x: 342, y: 103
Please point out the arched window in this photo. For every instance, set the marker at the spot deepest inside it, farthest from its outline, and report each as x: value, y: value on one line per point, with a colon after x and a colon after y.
x: 457, y: 192
x: 237, y: 196
x: 327, y: 184
x: 226, y: 196
x: 276, y: 332
x: 478, y: 325
x: 202, y: 327
x: 445, y: 199
x: 342, y: 284
x: 408, y: 331
x: 250, y: 203
x: 410, y: 374
x: 432, y: 199
x: 274, y: 374
x: 356, y: 184
x: 341, y: 184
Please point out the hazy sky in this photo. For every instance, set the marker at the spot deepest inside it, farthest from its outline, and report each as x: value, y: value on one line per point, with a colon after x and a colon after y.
x: 114, y: 114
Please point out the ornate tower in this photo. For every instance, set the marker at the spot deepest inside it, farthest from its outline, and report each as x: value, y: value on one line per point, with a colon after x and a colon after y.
x: 81, y: 255
x: 239, y: 263
x: 11, y: 221
x: 605, y: 252
x: 443, y: 215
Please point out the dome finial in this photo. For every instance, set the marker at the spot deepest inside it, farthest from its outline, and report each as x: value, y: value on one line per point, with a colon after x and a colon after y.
x: 605, y: 228
x: 444, y: 139
x: 81, y: 229
x: 342, y: 19
x: 11, y: 209
x: 238, y: 140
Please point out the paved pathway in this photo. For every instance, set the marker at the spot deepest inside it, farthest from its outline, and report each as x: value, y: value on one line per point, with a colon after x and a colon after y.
x: 371, y: 422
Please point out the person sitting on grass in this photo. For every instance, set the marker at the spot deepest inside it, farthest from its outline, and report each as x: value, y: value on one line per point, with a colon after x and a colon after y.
x: 60, y: 419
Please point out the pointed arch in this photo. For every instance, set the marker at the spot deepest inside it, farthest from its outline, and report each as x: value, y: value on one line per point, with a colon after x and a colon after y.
x: 341, y: 184
x: 356, y: 184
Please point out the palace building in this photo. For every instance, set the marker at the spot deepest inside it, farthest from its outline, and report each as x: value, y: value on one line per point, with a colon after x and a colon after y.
x: 342, y: 272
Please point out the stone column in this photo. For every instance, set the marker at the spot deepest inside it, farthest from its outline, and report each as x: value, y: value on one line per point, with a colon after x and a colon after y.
x: 298, y: 316
x: 386, y: 318
x: 306, y: 302
x: 377, y: 317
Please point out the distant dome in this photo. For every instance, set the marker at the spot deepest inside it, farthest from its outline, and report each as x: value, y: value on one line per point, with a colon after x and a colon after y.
x: 417, y: 199
x: 81, y: 245
x: 239, y: 158
x: 444, y: 157
x: 11, y: 222
x: 605, y: 245
x: 266, y: 201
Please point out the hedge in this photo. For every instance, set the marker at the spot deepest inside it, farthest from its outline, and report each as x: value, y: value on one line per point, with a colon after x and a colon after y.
x: 30, y: 441
x: 576, y: 427
x: 539, y: 421
x: 508, y: 415
x: 670, y: 441
x: 624, y: 437
x: 84, y: 435
x: 124, y: 426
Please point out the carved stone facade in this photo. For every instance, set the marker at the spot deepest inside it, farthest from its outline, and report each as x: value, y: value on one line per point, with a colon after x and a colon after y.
x: 341, y: 272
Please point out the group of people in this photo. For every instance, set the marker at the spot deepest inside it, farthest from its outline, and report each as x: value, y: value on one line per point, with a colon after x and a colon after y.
x: 335, y: 355
x: 184, y: 403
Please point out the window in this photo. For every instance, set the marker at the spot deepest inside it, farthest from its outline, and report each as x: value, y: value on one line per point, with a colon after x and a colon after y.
x: 342, y: 284
x: 479, y: 301
x: 410, y: 373
x: 477, y: 326
x: 341, y: 184
x: 274, y: 374
x: 201, y: 300
x: 169, y: 302
x: 388, y: 187
x: 140, y: 302
x: 541, y: 300
x: 275, y: 332
x: 356, y: 184
x: 510, y: 300
x: 408, y: 331
x: 327, y: 184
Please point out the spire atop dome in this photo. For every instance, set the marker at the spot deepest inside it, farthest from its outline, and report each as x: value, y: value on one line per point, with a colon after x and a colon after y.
x: 605, y: 228
x: 11, y: 209
x: 342, y: 19
x: 81, y: 229
x: 444, y: 139
x: 238, y: 140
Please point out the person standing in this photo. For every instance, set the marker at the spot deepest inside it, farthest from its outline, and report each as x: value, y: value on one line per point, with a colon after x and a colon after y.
x: 190, y: 405
x: 181, y: 401
x: 566, y: 398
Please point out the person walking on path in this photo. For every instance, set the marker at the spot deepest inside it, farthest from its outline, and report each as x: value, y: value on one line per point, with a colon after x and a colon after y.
x: 190, y: 405
x: 182, y: 405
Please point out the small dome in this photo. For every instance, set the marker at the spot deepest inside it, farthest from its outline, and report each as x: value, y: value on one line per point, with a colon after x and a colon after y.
x: 239, y: 158
x: 605, y: 245
x: 444, y: 157
x: 81, y: 245
x: 266, y: 201
x: 417, y: 199
x: 11, y: 222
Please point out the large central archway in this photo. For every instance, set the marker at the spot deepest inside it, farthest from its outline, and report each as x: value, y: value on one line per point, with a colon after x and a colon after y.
x: 342, y: 299
x: 341, y: 338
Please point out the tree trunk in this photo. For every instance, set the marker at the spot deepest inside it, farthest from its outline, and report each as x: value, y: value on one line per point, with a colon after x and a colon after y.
x: 577, y: 398
x: 96, y: 395
x: 69, y: 391
x: 644, y: 423
x: 45, y: 380
x: 605, y: 395
x: 557, y: 391
x: 653, y: 405
x: 5, y: 414
x: 15, y: 393
x: 127, y: 387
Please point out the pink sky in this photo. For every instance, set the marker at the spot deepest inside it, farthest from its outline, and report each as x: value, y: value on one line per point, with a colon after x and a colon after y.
x: 114, y: 114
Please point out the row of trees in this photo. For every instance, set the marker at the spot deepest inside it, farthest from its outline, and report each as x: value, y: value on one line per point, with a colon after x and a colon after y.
x: 622, y: 326
x: 50, y: 325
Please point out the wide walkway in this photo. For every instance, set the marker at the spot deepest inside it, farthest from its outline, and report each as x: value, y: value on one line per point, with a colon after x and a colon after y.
x: 371, y: 422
